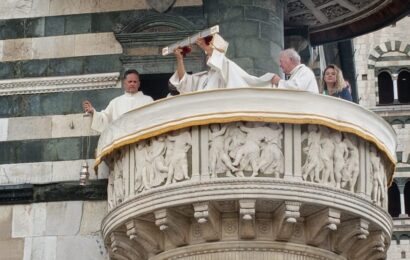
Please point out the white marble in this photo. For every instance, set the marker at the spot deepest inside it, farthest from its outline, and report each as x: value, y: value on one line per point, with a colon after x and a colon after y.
x: 60, y: 46
x: 81, y: 248
x: 26, y: 173
x: 4, y: 122
x: 29, y: 220
x: 93, y: 213
x: 46, y: 172
x: 63, y: 218
x: 43, y: 248
x: 37, y: 8
x: 21, y: 128
x: 96, y: 44
x: 71, y: 125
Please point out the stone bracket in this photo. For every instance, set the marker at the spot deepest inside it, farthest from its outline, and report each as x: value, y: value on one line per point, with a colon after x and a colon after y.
x: 349, y: 233
x: 373, y: 247
x: 320, y: 224
x: 285, y: 218
x: 146, y: 234
x: 209, y: 219
x: 174, y: 225
x: 124, y: 248
x: 247, y: 219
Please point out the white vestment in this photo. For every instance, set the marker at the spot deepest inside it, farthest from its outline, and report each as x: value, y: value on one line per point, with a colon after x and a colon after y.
x: 117, y: 107
x: 223, y: 73
x: 301, y: 78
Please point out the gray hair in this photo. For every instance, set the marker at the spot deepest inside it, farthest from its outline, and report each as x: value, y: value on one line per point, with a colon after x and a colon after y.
x: 292, y: 55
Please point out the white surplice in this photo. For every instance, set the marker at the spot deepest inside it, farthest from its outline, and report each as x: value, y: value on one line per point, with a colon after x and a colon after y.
x: 223, y: 73
x: 301, y: 78
x: 117, y: 107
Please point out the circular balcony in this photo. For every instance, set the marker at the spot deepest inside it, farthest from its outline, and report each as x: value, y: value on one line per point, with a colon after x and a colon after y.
x: 248, y: 173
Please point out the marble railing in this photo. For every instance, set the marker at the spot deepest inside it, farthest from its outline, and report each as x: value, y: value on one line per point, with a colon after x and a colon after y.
x: 248, y: 164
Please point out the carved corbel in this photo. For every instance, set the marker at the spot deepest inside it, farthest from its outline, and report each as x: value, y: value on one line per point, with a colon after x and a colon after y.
x: 124, y: 248
x: 348, y: 234
x: 174, y: 225
x: 373, y: 247
x: 146, y: 234
x: 247, y: 219
x: 209, y: 219
x: 285, y: 219
x: 319, y: 225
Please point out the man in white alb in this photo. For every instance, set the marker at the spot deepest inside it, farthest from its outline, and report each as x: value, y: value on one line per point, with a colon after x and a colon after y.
x: 131, y: 99
x: 301, y: 77
x: 222, y: 73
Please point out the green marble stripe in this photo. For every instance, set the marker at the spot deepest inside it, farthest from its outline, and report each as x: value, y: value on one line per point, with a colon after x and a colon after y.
x: 54, y: 103
x: 62, y: 191
x: 393, y: 58
x: 45, y: 150
x: 85, y: 23
x: 60, y: 67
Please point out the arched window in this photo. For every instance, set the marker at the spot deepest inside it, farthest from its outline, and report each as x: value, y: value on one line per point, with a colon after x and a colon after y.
x: 407, y: 198
x: 394, y: 200
x: 385, y: 83
x: 403, y: 86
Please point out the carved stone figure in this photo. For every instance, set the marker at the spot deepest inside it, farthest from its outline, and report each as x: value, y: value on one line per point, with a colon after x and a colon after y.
x: 271, y: 160
x: 340, y: 156
x: 351, y: 170
x: 219, y: 160
x: 313, y: 164
x: 118, y: 178
x: 157, y: 169
x: 141, y: 165
x: 234, y: 138
x: 248, y: 153
x: 178, y: 162
x: 375, y: 171
x: 110, y: 190
x: 327, y: 148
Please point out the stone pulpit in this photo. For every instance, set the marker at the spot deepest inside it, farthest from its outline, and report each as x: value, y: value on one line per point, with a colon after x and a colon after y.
x: 248, y: 174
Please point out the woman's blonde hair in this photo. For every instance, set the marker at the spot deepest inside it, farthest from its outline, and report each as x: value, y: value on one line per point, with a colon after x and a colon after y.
x: 340, y: 82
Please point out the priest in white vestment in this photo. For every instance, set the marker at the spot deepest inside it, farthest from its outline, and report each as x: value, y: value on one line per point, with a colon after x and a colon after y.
x: 301, y: 77
x: 223, y: 73
x: 131, y: 99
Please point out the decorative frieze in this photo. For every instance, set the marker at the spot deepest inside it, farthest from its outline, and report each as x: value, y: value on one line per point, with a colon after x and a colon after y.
x: 59, y: 84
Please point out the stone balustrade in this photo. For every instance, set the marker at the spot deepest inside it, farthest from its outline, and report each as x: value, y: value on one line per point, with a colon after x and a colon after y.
x: 248, y: 173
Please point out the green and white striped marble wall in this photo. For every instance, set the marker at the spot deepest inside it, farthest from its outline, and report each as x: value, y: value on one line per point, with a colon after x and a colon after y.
x: 53, y: 55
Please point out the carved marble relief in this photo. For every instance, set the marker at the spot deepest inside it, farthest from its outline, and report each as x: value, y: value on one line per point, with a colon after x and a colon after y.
x: 331, y: 158
x: 246, y: 149
x: 377, y: 176
x: 158, y: 161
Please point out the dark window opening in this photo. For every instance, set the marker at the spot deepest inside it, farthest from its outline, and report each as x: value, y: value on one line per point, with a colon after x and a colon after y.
x: 385, y: 88
x: 394, y: 200
x: 403, y: 87
x: 155, y: 85
x: 407, y: 198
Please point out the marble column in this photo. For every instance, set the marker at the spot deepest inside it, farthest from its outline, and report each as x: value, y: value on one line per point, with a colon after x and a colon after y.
x: 254, y: 30
x: 401, y: 183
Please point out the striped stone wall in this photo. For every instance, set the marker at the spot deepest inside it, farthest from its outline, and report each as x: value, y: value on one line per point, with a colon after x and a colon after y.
x: 53, y: 55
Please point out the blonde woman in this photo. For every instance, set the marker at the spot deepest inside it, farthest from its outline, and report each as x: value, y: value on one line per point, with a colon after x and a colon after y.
x: 333, y: 83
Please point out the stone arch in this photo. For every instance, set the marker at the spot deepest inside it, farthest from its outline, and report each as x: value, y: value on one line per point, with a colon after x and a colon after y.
x: 148, y: 22
x: 376, y: 54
